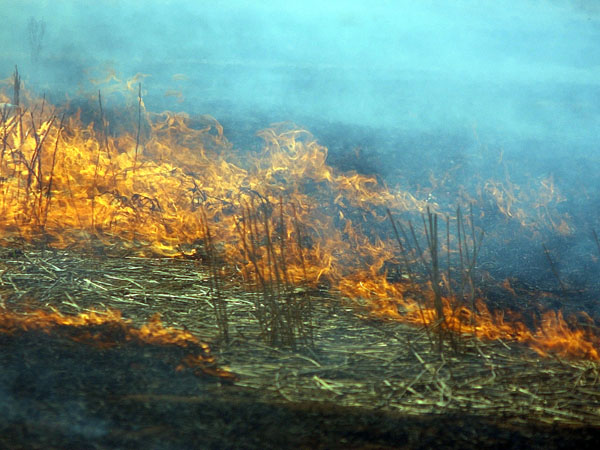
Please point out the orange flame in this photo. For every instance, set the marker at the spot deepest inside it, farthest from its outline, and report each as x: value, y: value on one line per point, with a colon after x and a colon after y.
x: 72, y: 184
x: 118, y: 330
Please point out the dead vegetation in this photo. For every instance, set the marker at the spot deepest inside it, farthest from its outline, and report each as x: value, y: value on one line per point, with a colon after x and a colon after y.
x: 451, y: 289
x: 283, y: 308
x: 354, y: 361
x: 286, y: 339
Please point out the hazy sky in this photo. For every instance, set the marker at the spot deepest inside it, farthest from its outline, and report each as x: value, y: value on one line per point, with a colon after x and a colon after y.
x: 520, y: 77
x: 524, y: 68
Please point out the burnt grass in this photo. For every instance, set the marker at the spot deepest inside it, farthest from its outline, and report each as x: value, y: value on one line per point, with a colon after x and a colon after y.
x: 57, y: 393
x: 449, y: 168
x: 364, y: 383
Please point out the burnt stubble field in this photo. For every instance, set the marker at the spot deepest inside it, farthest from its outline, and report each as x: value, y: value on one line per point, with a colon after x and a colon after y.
x: 171, y: 280
x: 100, y: 332
x: 363, y: 383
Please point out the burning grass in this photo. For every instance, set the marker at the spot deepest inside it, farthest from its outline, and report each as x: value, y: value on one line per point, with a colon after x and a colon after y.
x: 282, y: 219
x: 270, y: 256
x: 108, y: 330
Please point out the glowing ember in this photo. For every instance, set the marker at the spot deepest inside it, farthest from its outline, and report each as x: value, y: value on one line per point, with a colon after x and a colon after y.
x: 108, y: 329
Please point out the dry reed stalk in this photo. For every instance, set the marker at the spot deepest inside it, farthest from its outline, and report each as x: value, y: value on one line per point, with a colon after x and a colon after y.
x: 468, y: 259
x: 307, y: 299
x: 596, y: 240
x: 441, y: 281
x: 554, y: 270
x: 103, y: 123
x: 243, y: 231
x: 139, y: 126
x: 449, y: 274
x: 219, y: 303
x: 409, y: 271
x: 284, y: 318
x: 431, y: 232
x: 16, y: 87
x: 51, y: 178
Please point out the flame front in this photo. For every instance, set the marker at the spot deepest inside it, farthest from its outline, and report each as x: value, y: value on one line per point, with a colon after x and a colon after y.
x: 180, y: 185
x: 117, y: 331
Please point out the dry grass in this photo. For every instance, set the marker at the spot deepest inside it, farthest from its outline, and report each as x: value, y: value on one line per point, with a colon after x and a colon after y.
x: 282, y: 308
x: 455, y: 283
x: 354, y: 361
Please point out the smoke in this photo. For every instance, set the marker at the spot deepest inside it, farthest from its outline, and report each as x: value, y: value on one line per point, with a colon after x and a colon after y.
x: 526, y: 69
x: 469, y: 82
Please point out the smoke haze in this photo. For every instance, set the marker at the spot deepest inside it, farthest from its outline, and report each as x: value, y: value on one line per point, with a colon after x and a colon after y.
x: 517, y: 70
x: 503, y: 91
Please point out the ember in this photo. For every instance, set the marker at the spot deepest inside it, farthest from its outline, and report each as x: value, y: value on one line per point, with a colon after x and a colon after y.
x: 109, y: 330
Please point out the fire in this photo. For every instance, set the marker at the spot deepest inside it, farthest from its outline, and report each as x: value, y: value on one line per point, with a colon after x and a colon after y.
x: 552, y: 336
x: 171, y: 184
x: 533, y: 208
x: 84, y: 328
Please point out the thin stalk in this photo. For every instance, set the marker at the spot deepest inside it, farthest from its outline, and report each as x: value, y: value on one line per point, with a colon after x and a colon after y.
x: 407, y: 265
x: 402, y: 249
x: 282, y: 239
x: 139, y: 126
x: 220, y: 306
x: 96, y: 164
x: 253, y: 228
x: 51, y: 179
x: 553, y: 268
x: 450, y: 290
x: 418, y: 248
x: 103, y: 122
x: 302, y: 261
x: 278, y: 328
x: 16, y: 87
x: 435, y: 267
x: 596, y: 239
x: 243, y: 232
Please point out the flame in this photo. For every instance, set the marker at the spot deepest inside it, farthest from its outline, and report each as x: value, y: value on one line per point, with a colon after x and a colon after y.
x: 553, y: 336
x: 282, y: 213
x: 83, y: 328
x: 534, y: 208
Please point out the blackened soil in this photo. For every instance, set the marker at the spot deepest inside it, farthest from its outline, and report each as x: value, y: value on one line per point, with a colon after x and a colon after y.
x: 57, y: 393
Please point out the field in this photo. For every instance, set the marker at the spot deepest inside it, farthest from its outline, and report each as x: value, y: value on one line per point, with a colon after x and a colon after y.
x: 163, y: 286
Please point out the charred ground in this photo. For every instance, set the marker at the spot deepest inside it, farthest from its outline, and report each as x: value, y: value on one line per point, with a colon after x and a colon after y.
x: 361, y: 380
x: 365, y: 383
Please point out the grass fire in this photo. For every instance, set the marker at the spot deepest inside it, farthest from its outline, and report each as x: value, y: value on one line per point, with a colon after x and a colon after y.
x: 171, y: 279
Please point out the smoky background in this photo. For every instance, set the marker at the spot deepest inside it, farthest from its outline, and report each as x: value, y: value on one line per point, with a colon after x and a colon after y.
x: 471, y: 94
